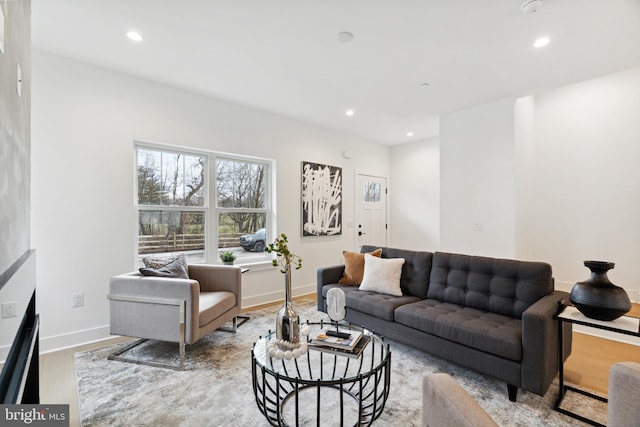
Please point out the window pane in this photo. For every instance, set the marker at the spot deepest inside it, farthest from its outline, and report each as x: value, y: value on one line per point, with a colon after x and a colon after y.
x: 166, y: 178
x: 371, y: 192
x: 241, y: 184
x: 163, y: 233
x: 243, y: 233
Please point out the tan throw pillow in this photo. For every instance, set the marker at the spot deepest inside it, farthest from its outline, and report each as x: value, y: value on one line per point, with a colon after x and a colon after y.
x: 354, y: 267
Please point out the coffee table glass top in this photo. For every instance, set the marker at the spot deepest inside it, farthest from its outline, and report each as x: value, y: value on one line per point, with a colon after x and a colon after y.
x: 323, y: 365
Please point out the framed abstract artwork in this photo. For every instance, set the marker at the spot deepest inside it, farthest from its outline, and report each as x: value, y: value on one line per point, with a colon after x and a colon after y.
x: 321, y: 199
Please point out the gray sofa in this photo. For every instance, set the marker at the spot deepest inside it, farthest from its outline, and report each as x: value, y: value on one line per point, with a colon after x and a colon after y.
x: 492, y: 315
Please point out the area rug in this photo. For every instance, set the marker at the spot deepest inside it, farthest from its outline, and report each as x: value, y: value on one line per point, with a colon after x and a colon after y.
x: 215, y: 389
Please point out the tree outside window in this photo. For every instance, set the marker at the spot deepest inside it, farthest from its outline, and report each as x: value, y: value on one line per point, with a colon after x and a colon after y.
x: 242, y: 205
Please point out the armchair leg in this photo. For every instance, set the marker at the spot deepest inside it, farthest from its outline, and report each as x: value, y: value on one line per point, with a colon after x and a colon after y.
x: 118, y: 355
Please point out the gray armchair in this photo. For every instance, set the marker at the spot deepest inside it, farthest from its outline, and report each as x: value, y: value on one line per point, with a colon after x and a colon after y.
x: 174, y: 310
x: 624, y: 394
x: 446, y: 404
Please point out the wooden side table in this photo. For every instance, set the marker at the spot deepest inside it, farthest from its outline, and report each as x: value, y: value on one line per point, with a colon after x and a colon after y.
x: 626, y: 325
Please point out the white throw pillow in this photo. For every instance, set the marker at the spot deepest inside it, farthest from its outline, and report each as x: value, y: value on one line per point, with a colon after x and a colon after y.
x: 382, y: 275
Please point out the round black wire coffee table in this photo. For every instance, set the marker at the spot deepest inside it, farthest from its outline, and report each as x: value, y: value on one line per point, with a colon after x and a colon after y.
x: 322, y: 388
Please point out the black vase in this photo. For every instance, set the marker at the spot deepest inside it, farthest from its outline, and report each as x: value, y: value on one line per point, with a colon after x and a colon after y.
x: 597, y: 297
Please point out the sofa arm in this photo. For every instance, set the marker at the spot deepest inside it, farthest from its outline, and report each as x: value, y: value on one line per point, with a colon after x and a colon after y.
x: 327, y: 276
x: 540, y: 342
x: 149, y: 320
x: 214, y: 278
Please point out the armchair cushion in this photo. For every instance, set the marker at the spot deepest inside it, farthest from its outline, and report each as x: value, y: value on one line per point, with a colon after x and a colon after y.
x: 214, y: 304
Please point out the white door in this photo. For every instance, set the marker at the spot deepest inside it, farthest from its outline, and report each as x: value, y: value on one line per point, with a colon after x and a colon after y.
x: 371, y: 210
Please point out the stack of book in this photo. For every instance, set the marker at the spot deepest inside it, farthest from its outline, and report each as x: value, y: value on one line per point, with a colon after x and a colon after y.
x: 348, y: 342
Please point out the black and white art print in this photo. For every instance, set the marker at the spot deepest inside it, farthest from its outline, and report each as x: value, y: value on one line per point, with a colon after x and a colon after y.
x: 321, y: 199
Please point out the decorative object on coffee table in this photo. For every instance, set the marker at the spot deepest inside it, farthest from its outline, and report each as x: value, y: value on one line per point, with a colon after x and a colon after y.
x: 597, y: 297
x: 336, y: 304
x: 287, y: 320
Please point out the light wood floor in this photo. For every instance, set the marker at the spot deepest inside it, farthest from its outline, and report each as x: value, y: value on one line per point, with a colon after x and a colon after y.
x: 591, y: 357
x: 588, y: 367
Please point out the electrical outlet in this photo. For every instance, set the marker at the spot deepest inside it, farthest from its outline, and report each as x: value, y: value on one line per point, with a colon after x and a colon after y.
x: 78, y: 299
x: 9, y: 309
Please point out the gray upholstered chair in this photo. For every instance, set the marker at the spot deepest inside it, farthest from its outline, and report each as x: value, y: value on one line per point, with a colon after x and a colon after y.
x: 624, y: 394
x: 446, y: 404
x: 174, y: 310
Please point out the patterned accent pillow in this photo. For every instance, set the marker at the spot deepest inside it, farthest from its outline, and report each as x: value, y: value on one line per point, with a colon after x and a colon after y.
x: 157, y: 263
x: 174, y: 269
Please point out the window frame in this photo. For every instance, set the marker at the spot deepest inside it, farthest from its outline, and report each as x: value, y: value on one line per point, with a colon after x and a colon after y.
x: 211, y: 210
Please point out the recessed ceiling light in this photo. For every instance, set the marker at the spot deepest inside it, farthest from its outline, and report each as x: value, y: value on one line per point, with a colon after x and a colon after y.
x: 424, y: 85
x: 409, y: 133
x: 345, y: 36
x: 135, y: 36
x: 349, y: 112
x: 541, y: 42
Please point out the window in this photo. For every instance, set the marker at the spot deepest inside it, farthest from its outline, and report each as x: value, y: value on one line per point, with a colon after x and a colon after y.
x: 241, y: 204
x: 172, y: 203
x: 174, y: 216
x: 371, y: 192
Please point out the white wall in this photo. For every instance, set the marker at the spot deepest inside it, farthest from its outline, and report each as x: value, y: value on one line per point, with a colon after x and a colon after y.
x: 477, y: 190
x: 85, y: 120
x: 578, y: 157
x: 415, y: 196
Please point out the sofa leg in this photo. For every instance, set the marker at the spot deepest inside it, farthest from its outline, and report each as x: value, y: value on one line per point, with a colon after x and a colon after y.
x: 513, y: 392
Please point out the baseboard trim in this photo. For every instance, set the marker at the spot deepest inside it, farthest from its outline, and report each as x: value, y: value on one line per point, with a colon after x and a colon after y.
x: 273, y: 297
x: 74, y: 339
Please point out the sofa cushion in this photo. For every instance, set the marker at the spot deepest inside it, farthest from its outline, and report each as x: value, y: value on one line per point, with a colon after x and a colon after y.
x: 354, y: 266
x: 489, y: 332
x: 500, y: 286
x: 376, y: 304
x: 382, y: 275
x: 415, y: 271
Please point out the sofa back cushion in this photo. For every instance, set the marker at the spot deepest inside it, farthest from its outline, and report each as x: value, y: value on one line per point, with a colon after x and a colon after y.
x: 500, y: 286
x: 416, y: 269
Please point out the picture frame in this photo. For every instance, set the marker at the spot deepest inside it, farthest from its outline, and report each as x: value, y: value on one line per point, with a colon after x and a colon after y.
x: 321, y: 199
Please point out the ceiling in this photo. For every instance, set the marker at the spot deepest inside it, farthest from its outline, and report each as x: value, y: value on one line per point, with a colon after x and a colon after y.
x: 409, y: 60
